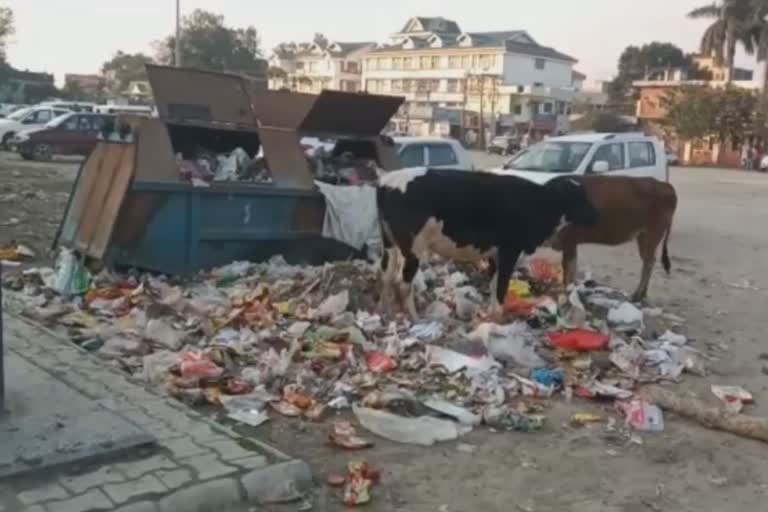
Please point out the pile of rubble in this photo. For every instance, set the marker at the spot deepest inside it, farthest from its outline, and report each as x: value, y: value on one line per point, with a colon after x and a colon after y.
x: 263, y: 339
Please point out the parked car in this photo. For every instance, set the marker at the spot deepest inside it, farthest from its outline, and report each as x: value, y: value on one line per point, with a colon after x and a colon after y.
x: 504, y: 145
x: 620, y: 154
x: 125, y: 109
x: 74, y: 106
x: 74, y: 133
x: 26, y: 119
x: 433, y: 152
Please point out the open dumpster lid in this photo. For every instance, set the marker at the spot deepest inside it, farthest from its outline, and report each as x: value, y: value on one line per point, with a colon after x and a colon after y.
x: 330, y: 112
x: 183, y: 94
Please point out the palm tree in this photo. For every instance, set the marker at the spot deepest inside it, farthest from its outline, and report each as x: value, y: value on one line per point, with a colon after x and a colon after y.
x: 732, y: 23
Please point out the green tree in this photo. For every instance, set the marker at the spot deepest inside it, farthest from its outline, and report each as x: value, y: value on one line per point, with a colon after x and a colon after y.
x: 122, y: 69
x: 731, y: 25
x: 206, y: 43
x: 636, y: 61
x: 6, y: 29
x: 700, y: 111
x: 320, y: 40
x: 598, y: 121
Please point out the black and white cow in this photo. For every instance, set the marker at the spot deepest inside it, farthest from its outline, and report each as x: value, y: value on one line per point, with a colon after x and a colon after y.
x: 469, y: 216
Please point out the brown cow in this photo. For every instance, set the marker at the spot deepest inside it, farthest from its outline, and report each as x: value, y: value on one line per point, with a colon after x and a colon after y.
x: 640, y: 208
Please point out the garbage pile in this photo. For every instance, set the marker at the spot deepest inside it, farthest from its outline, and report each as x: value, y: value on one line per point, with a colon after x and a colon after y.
x: 256, y: 341
x: 206, y: 167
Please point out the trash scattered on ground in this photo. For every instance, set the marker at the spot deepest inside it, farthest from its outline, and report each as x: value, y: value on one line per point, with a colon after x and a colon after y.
x: 345, y: 436
x: 642, y: 415
x: 734, y: 397
x: 262, y: 341
x: 712, y: 417
x: 359, y: 481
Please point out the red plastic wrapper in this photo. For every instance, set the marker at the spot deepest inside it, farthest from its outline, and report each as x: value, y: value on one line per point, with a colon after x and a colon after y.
x: 520, y: 307
x: 357, y: 489
x: 345, y: 436
x: 199, y: 365
x: 579, y: 340
x: 545, y: 271
x: 379, y: 362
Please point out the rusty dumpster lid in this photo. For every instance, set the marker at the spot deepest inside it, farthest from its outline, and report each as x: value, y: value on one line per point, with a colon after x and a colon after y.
x: 184, y: 94
x: 330, y: 112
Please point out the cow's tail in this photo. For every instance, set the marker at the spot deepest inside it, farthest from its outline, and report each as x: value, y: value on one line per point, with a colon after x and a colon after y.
x: 665, y: 262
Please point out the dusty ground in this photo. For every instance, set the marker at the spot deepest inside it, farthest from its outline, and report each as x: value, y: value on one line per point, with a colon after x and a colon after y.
x: 719, y: 238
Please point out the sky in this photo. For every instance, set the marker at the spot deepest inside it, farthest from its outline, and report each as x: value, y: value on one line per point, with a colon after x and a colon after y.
x: 77, y: 36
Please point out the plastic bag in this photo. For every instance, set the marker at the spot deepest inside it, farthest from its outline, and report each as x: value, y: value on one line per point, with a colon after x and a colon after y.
x: 579, y: 340
x: 423, y: 430
x: 199, y: 365
x: 70, y: 276
x: 643, y: 415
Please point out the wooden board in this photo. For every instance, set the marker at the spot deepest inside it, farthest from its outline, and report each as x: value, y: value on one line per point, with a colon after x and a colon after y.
x: 97, y: 198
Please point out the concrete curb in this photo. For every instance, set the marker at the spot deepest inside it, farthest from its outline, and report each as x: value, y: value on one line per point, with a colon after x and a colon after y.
x: 198, y: 464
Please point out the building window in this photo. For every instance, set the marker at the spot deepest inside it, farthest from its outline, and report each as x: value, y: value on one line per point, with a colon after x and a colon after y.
x: 540, y: 63
x: 385, y: 85
x: 373, y: 64
x: 435, y: 62
x: 407, y: 85
x: 517, y: 109
x: 382, y: 63
x: 372, y: 85
x: 486, y: 61
x: 352, y: 67
x: 520, y: 88
x: 397, y: 85
x: 351, y: 86
x: 425, y: 63
x: 466, y: 62
x: 299, y: 65
x: 561, y: 107
x: 452, y: 85
x: 454, y: 62
x: 312, y: 67
x: 397, y: 63
x: 547, y: 108
x: 407, y: 63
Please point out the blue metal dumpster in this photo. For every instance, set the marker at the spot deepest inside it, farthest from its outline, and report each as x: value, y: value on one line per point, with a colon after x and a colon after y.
x: 130, y: 208
x: 178, y: 229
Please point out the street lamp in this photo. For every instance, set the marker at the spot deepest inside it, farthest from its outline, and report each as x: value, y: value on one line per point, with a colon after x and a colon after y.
x: 177, y: 49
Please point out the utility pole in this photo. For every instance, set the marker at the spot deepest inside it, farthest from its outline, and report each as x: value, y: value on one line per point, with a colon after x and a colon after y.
x: 177, y: 49
x: 464, y: 110
x: 482, y: 111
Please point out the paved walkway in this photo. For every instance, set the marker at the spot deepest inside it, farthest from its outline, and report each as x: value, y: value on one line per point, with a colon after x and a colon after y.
x: 196, y: 465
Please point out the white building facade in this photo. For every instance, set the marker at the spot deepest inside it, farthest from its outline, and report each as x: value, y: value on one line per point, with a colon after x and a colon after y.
x: 312, y: 68
x: 506, y: 78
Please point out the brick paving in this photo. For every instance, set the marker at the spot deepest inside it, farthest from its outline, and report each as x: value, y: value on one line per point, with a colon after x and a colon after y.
x: 197, y: 463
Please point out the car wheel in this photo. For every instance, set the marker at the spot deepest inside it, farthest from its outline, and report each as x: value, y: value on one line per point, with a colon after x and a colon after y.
x: 42, y: 151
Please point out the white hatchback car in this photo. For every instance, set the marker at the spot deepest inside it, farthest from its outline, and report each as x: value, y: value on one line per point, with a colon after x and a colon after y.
x: 612, y: 154
x: 433, y: 152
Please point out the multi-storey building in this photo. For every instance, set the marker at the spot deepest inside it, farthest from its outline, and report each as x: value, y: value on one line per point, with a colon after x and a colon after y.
x: 506, y: 78
x: 659, y: 84
x: 312, y: 67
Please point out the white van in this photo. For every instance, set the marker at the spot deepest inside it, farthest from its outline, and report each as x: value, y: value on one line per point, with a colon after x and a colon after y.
x: 611, y: 154
x: 433, y: 152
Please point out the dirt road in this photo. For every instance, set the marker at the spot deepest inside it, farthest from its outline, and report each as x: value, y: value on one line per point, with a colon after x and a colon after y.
x: 719, y: 238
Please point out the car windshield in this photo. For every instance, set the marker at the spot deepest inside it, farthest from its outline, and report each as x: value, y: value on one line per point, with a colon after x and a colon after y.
x: 57, y: 121
x: 551, y: 156
x: 20, y: 114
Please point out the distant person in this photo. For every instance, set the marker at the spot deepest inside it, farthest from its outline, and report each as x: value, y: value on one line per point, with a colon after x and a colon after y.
x: 744, y: 156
